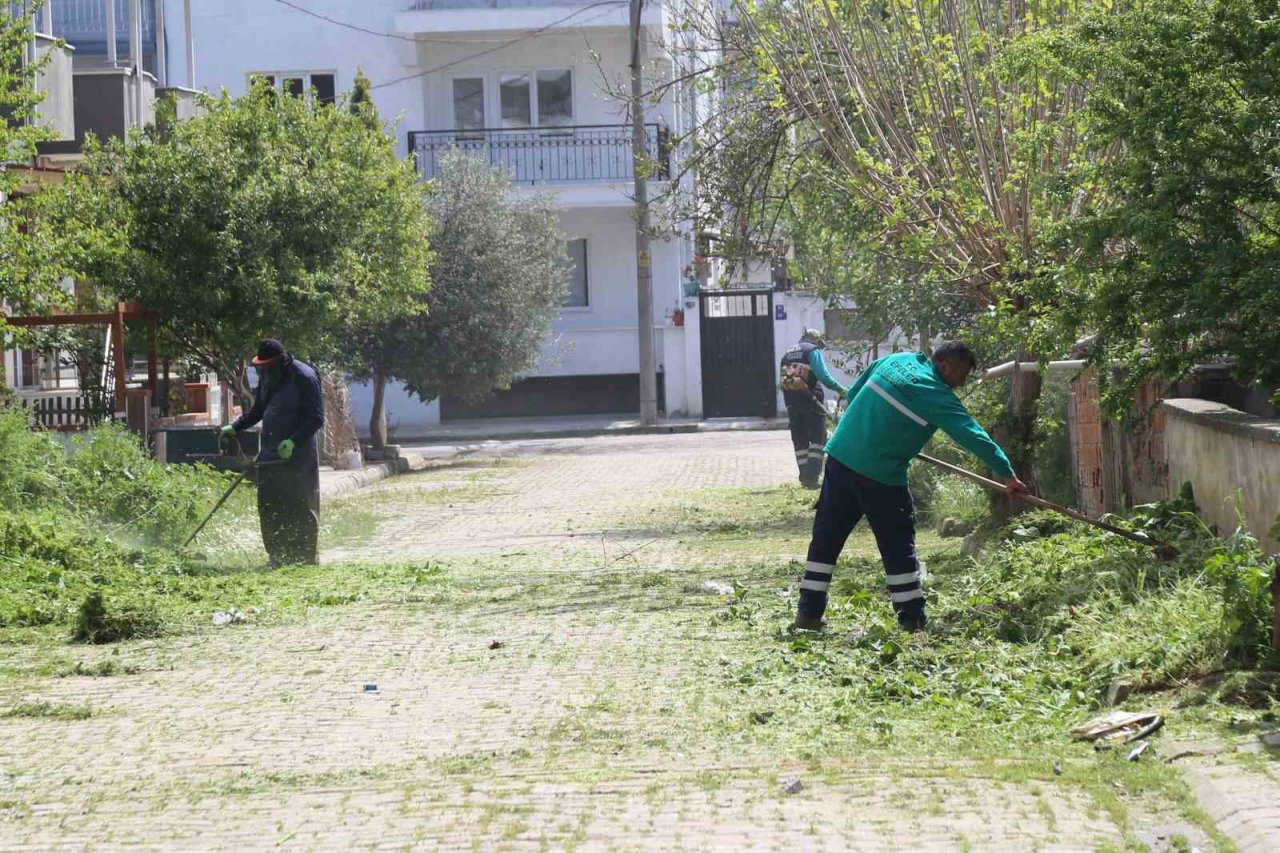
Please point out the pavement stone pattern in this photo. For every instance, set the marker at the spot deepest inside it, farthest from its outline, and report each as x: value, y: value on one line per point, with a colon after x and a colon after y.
x: 565, y: 493
x: 586, y: 729
x: 1245, y: 804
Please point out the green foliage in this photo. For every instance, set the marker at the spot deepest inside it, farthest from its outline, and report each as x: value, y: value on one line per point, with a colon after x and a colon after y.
x: 265, y: 216
x: 104, y: 478
x: 499, y: 275
x: 962, y: 500
x: 31, y: 463
x: 48, y: 711
x: 57, y: 576
x: 1023, y: 640
x: 33, y: 256
x: 1179, y: 253
x: 97, y: 624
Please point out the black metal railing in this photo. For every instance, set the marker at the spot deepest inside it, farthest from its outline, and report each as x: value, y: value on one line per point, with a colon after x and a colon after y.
x: 542, y: 154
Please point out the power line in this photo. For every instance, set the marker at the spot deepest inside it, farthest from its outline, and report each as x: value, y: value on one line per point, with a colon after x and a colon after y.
x: 416, y: 40
x: 529, y: 35
x: 346, y: 24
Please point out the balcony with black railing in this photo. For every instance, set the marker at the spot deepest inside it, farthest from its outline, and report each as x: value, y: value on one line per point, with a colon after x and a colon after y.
x: 536, y: 155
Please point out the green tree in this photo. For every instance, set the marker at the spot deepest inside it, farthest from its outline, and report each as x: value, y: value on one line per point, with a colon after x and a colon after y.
x: 32, y: 257
x: 1180, y: 258
x: 499, y: 275
x: 941, y: 127
x: 265, y: 216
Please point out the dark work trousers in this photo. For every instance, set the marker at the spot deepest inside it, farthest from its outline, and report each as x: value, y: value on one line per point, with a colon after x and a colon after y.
x: 808, y: 436
x: 846, y: 497
x: 289, y: 510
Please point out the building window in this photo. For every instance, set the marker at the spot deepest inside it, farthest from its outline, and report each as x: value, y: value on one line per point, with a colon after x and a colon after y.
x: 542, y: 98
x: 513, y: 96
x: 555, y: 98
x: 468, y: 103
x: 577, y: 297
x: 298, y: 83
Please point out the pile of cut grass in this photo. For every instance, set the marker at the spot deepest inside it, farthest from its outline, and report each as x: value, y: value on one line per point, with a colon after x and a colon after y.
x: 1024, y: 641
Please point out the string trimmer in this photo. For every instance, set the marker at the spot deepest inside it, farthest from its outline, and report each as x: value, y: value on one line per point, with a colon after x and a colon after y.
x: 249, y: 466
x: 1164, y: 550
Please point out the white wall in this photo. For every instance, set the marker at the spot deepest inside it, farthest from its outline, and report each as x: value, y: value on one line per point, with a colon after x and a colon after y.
x: 406, y: 414
x: 803, y: 311
x: 234, y: 38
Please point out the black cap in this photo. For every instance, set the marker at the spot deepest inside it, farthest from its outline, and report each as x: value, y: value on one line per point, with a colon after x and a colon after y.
x: 268, y: 351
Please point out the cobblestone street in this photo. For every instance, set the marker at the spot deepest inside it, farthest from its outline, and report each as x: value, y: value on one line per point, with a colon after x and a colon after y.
x: 550, y: 682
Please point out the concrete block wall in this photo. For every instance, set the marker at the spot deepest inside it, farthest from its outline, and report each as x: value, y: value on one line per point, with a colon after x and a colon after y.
x: 1231, y: 459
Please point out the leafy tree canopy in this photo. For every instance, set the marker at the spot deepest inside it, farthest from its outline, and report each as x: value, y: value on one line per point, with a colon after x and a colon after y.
x: 268, y: 215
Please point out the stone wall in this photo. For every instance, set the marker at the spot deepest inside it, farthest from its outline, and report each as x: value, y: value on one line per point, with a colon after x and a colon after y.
x: 1230, y: 458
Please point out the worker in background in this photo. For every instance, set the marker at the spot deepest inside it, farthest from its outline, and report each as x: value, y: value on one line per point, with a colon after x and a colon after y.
x: 288, y: 403
x: 804, y: 372
x: 894, y: 408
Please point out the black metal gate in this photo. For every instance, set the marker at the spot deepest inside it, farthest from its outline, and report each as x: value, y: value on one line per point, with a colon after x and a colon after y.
x: 738, y: 374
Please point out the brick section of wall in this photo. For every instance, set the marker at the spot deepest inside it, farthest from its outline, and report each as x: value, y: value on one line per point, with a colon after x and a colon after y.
x: 1084, y: 423
x: 1118, y: 463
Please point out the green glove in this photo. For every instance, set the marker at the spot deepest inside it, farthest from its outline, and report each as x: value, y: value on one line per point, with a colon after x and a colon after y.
x: 226, y: 434
x: 286, y: 449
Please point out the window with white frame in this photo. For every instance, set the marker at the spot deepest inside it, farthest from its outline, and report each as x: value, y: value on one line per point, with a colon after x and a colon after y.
x: 468, y: 103
x: 578, y: 291
x: 299, y: 83
x: 523, y: 97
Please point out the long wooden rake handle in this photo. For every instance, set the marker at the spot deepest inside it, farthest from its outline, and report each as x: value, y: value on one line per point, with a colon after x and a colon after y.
x: 1041, y: 502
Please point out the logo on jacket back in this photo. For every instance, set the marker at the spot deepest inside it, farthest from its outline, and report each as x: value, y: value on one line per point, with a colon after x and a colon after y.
x: 795, y: 370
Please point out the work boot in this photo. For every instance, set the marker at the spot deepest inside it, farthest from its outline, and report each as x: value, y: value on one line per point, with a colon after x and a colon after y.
x: 913, y: 620
x: 810, y: 484
x: 808, y: 623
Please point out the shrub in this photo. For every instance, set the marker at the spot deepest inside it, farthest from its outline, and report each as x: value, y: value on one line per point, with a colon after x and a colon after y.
x: 103, y: 478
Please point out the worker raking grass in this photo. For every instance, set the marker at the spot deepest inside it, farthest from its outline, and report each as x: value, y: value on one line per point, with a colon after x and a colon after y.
x: 894, y: 409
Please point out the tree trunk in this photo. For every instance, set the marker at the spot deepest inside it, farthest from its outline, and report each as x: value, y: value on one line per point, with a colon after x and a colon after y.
x: 241, y: 388
x: 1016, y: 432
x: 378, y: 419
x: 339, y: 429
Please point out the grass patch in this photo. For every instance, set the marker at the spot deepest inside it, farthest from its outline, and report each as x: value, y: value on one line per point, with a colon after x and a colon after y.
x: 66, y: 582
x: 728, y: 512
x: 48, y: 711
x: 1023, y: 643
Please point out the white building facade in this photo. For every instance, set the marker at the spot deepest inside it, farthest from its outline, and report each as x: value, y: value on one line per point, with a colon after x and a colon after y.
x: 522, y: 85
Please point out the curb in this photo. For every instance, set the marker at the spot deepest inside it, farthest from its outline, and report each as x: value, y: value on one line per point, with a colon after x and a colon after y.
x: 344, y: 482
x: 448, y: 438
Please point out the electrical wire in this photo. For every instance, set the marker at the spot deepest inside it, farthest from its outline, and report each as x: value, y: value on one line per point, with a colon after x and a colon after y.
x: 502, y: 46
x: 420, y: 40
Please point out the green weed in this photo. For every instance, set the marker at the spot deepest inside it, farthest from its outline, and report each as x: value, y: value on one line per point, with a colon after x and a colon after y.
x: 49, y: 711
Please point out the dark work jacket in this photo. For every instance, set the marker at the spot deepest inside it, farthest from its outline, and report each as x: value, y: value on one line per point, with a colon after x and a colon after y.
x: 292, y: 408
x: 799, y: 355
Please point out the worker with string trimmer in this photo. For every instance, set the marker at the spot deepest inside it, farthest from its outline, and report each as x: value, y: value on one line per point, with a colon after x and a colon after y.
x: 289, y: 405
x: 894, y: 408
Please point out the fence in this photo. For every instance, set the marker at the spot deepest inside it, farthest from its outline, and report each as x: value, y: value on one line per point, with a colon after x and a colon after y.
x: 533, y: 155
x: 69, y: 413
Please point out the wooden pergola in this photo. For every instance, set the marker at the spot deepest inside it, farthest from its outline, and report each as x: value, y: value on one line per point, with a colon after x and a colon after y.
x: 124, y: 311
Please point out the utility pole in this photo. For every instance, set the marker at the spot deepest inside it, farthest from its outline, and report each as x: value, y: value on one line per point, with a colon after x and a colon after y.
x: 135, y: 59
x: 644, y: 267
x: 112, y: 57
